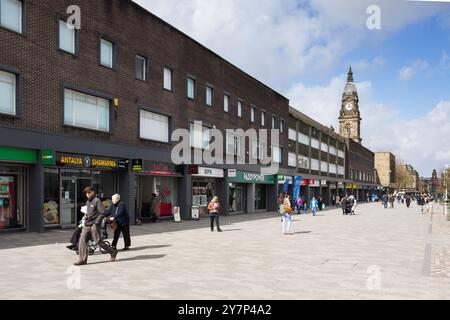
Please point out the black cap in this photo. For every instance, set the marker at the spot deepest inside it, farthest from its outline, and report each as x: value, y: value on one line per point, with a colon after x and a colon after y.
x: 88, y: 189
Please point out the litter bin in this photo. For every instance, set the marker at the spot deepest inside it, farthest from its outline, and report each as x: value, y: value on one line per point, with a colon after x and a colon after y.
x: 195, y: 212
x: 176, y: 214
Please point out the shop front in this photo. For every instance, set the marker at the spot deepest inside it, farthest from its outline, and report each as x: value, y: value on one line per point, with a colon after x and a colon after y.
x: 14, y: 167
x: 67, y: 175
x: 205, y: 185
x: 156, y: 188
x: 314, y: 188
x: 260, y: 190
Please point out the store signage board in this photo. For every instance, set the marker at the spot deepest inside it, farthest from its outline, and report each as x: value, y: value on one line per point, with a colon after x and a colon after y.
x: 19, y: 155
x: 323, y: 182
x: 137, y: 165
x: 210, y: 172
x: 305, y: 182
x: 232, y: 173
x: 192, y: 169
x: 250, y: 177
x: 314, y: 183
x: 91, y: 162
x: 48, y: 157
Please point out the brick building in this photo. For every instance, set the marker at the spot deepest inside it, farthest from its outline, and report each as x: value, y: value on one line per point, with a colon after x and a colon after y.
x: 97, y: 106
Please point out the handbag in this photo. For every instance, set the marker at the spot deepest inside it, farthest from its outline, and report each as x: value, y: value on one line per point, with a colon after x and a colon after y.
x: 114, y: 225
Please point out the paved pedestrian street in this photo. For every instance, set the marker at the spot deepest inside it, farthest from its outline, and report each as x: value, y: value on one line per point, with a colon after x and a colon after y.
x: 377, y: 254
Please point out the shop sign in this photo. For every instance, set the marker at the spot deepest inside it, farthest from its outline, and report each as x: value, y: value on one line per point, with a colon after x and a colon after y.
x: 18, y: 155
x: 159, y: 168
x: 323, y: 182
x: 210, y: 172
x: 232, y: 173
x: 192, y: 169
x: 91, y: 162
x: 137, y: 165
x: 48, y: 157
x: 305, y: 182
x: 314, y: 183
x: 281, y: 178
x: 250, y: 177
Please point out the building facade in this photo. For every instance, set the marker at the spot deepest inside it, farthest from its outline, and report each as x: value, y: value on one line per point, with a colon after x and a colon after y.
x: 316, y: 157
x: 407, y: 178
x: 98, y: 105
x: 385, y: 168
x: 430, y: 185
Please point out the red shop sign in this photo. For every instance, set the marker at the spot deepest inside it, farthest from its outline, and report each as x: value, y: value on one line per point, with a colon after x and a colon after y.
x: 305, y: 182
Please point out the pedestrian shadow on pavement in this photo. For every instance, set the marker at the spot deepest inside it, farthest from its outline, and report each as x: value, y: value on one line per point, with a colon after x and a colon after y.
x: 150, y: 247
x: 302, y: 232
x: 137, y: 258
x: 231, y: 230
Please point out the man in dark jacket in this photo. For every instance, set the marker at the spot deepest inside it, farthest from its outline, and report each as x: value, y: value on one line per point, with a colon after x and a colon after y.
x: 119, y: 213
x: 95, y: 215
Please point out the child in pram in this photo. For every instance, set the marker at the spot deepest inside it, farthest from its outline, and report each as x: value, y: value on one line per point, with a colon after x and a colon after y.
x: 75, y: 240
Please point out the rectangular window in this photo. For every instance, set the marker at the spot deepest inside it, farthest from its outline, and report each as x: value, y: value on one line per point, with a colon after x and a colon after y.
x: 315, y: 143
x: 303, y: 162
x: 254, y: 151
x: 277, y: 154
x: 292, y: 134
x: 106, y: 53
x: 253, y: 115
x: 239, y: 109
x: 141, y: 68
x: 8, y: 93
x: 154, y: 126
x: 333, y: 150
x: 304, y: 139
x: 263, y: 118
x: 292, y: 160
x: 209, y: 96
x: 234, y: 143
x: 11, y: 15
x: 324, y: 147
x: 168, y: 73
x: 333, y: 168
x: 67, y: 38
x: 341, y: 170
x: 281, y: 125
x: 191, y: 88
x: 262, y: 150
x: 86, y: 111
x: 200, y: 137
x: 315, y: 164
x: 226, y: 102
x: 324, y: 166
x: 341, y: 154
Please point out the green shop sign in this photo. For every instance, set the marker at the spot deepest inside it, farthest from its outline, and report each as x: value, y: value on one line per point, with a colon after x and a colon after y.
x: 48, y: 157
x: 18, y: 155
x: 251, y: 177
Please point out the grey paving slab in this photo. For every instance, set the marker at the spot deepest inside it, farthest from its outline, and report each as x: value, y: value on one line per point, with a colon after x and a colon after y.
x: 377, y: 254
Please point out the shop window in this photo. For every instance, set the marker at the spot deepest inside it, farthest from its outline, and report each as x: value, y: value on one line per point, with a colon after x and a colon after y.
x: 154, y: 126
x: 260, y: 197
x: 8, y: 89
x: 86, y: 111
x: 11, y: 201
x: 51, y: 197
x: 11, y: 12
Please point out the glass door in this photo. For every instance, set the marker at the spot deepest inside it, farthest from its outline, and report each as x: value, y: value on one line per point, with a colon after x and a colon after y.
x: 82, y: 183
x: 68, y: 215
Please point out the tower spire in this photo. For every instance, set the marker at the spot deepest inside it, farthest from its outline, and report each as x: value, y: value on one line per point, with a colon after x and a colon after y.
x: 350, y: 75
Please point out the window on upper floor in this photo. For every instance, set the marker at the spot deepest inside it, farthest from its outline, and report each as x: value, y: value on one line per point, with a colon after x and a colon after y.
x: 304, y: 139
x: 141, y: 67
x: 303, y: 162
x: 239, y: 108
x: 106, y: 53
x: 226, y: 102
x: 191, y: 88
x: 86, y: 111
x: 277, y: 154
x: 281, y: 125
x: 11, y: 15
x: 292, y: 160
x: 200, y: 136
x: 67, y: 37
x: 234, y: 144
x: 8, y: 92
x: 154, y: 126
x: 209, y: 96
x: 263, y: 118
x: 168, y: 74
x: 253, y: 115
x: 292, y: 134
x: 274, y: 122
x: 315, y: 143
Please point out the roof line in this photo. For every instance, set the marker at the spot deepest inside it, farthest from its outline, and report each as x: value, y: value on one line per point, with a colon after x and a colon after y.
x: 201, y: 45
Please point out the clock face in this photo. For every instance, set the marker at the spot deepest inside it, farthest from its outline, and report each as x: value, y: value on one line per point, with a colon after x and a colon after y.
x: 349, y: 107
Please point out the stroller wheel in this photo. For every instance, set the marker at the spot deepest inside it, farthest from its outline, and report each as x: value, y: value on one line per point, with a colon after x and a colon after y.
x: 102, y: 250
x: 91, y: 251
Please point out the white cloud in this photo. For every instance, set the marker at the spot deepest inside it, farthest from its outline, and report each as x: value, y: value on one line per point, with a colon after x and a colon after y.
x: 421, y: 141
x: 407, y: 72
x: 278, y: 41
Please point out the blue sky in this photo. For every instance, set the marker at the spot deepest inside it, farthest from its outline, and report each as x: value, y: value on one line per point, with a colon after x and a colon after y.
x: 302, y: 49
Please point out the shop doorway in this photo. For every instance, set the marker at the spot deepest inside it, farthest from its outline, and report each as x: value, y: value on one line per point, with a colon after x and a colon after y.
x: 237, y: 199
x: 72, y: 199
x: 11, y: 213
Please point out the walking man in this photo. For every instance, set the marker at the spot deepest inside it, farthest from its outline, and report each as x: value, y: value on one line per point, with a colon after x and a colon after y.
x: 95, y: 215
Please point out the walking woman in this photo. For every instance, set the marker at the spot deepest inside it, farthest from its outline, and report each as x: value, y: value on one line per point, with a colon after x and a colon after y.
x: 118, y: 212
x: 286, y: 218
x: 214, y: 212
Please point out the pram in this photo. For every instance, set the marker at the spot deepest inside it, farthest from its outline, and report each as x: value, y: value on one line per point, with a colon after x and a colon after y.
x: 91, y: 244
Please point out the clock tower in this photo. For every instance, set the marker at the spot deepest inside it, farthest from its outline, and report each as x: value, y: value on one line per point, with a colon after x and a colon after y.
x: 350, y: 117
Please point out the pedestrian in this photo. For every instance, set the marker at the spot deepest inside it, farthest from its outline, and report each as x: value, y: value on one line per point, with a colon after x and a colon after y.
x: 214, y: 212
x: 352, y: 205
x: 338, y: 201
x: 344, y: 205
x: 320, y: 203
x: 299, y: 205
x: 155, y: 207
x: 314, y: 205
x: 118, y: 213
x: 286, y: 216
x: 280, y: 203
x: 75, y: 239
x: 408, y: 201
x: 385, y: 201
x: 333, y: 200
x: 94, y: 216
x: 392, y: 201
